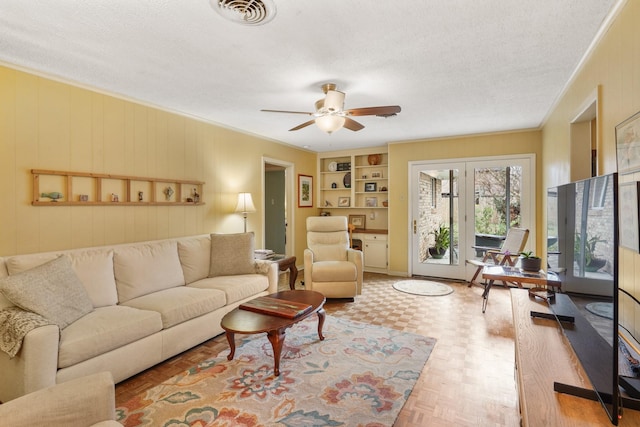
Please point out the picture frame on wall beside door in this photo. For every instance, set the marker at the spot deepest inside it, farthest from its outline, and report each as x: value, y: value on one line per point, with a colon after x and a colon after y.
x: 628, y: 145
x: 628, y: 212
x: 305, y: 191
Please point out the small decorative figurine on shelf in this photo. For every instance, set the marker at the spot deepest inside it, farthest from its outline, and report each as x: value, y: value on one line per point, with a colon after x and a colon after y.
x: 140, y: 196
x: 54, y: 196
x: 168, y: 192
x: 196, y: 196
x: 114, y: 197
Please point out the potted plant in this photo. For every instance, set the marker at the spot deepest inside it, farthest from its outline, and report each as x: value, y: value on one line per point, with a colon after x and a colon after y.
x: 441, y: 242
x: 591, y: 262
x: 530, y: 262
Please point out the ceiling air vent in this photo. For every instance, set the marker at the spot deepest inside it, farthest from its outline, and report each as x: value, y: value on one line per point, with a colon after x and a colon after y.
x: 245, y: 12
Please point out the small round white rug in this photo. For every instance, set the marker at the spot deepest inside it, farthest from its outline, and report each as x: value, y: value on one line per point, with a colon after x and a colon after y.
x: 423, y: 287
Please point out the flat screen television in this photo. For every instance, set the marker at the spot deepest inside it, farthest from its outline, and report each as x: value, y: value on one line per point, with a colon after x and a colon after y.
x: 582, y: 230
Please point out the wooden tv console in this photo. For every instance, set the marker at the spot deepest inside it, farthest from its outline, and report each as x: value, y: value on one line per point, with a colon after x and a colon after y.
x: 544, y: 356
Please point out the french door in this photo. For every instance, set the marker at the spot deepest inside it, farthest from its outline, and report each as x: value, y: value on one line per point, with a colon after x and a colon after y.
x: 471, y: 203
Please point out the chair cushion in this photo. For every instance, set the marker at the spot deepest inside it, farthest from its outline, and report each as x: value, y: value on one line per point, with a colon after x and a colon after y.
x: 237, y: 287
x: 334, y: 271
x: 232, y: 254
x: 177, y: 305
x: 52, y: 290
x: 103, y: 330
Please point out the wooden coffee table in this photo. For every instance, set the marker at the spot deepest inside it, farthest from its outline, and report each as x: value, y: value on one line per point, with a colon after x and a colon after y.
x: 239, y: 321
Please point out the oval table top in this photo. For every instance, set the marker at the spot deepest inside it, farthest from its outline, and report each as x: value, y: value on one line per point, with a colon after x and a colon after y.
x: 248, y: 322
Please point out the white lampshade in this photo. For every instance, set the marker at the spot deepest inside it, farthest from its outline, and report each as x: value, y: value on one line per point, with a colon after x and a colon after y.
x: 245, y: 203
x: 330, y: 123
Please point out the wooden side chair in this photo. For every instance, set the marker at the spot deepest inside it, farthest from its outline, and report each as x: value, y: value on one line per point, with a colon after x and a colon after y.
x: 508, y: 253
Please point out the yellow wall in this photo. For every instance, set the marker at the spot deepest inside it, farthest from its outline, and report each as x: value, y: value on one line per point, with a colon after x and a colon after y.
x: 45, y: 124
x: 400, y: 154
x: 614, y: 66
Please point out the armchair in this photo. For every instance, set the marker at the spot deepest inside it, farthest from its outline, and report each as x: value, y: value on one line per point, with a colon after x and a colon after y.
x: 331, y: 267
x: 82, y: 402
x: 508, y: 253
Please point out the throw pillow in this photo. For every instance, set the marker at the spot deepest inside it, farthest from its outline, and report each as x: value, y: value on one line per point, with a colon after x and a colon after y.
x: 52, y: 290
x: 232, y: 254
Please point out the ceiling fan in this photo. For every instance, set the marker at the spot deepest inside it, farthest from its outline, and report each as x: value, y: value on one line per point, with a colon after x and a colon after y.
x: 330, y: 114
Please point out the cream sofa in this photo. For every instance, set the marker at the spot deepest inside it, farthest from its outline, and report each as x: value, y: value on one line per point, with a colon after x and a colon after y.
x: 148, y: 302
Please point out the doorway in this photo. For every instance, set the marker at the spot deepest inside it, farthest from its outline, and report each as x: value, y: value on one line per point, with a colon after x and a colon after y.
x: 459, y: 206
x: 277, y: 216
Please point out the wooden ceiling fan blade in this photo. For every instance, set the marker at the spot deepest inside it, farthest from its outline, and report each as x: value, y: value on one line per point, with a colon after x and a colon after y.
x: 352, y: 124
x: 290, y: 112
x: 303, y: 125
x: 388, y: 110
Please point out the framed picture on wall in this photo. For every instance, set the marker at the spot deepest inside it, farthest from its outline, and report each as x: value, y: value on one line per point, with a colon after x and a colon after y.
x: 343, y: 202
x: 371, y: 202
x: 628, y: 144
x: 305, y: 191
x: 357, y: 221
x: 628, y: 212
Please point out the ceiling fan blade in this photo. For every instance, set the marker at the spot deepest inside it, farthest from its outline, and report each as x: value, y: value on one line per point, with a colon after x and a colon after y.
x: 303, y: 125
x: 290, y: 112
x: 389, y: 110
x: 352, y: 124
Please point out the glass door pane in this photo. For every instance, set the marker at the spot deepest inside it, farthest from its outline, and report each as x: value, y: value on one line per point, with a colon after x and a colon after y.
x: 436, y: 236
x: 497, y: 205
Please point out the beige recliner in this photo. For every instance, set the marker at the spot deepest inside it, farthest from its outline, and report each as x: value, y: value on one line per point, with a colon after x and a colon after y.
x: 331, y: 267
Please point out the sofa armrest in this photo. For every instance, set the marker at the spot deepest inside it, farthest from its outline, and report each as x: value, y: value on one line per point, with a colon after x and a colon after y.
x: 356, y: 257
x: 34, y: 367
x: 269, y: 269
x: 83, y: 401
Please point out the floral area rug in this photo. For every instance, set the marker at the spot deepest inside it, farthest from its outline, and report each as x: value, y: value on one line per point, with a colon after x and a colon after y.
x: 360, y: 375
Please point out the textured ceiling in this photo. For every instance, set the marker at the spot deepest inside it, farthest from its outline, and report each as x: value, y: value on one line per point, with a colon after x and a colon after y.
x: 455, y: 67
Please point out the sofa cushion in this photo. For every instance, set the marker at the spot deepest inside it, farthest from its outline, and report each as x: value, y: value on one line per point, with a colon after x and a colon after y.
x: 18, y: 264
x: 334, y: 271
x: 95, y: 270
x: 177, y: 305
x: 146, y: 268
x: 52, y: 290
x: 195, y: 255
x: 237, y: 287
x: 232, y: 254
x: 103, y: 330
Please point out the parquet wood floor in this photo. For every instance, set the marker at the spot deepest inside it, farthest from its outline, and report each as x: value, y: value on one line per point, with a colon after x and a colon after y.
x: 468, y: 379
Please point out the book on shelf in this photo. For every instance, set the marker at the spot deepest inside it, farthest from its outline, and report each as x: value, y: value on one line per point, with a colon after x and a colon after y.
x: 276, y: 307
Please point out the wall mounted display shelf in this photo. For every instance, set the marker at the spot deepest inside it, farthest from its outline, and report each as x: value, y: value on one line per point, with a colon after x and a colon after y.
x: 355, y: 177
x: 61, y: 188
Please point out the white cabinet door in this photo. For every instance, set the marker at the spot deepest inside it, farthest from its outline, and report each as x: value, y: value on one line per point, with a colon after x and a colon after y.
x: 375, y: 251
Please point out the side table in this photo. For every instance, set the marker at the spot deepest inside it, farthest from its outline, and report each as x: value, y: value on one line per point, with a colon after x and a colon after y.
x: 287, y: 263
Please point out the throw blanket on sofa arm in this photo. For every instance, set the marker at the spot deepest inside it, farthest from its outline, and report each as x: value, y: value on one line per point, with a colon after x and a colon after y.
x: 15, y: 324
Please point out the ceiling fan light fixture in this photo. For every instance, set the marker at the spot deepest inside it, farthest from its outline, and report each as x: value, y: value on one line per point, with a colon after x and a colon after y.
x: 334, y: 101
x: 245, y: 12
x: 330, y: 123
